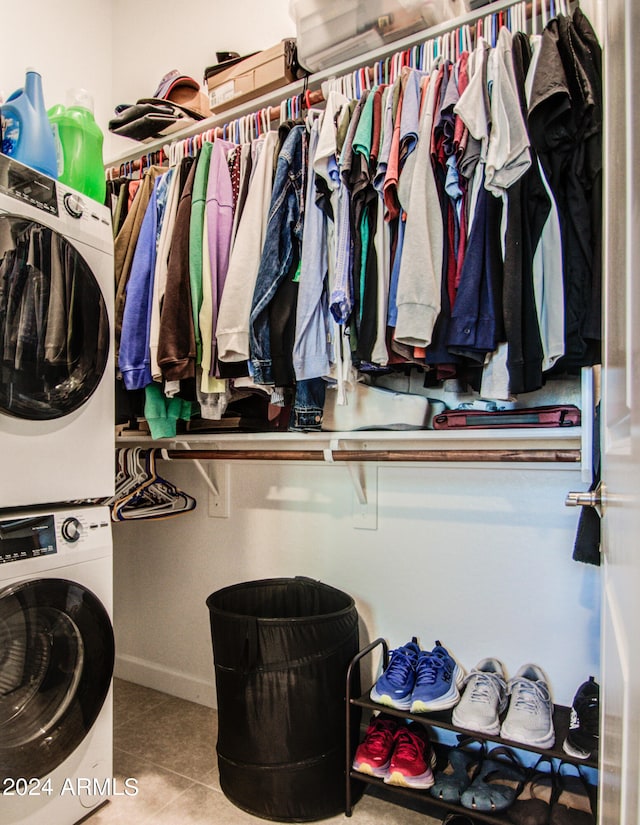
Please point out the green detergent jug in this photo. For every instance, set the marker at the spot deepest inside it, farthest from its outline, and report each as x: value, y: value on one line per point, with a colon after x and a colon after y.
x: 26, y: 133
x: 78, y: 140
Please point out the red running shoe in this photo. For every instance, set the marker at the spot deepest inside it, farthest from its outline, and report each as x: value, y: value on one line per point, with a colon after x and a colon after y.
x: 373, y: 754
x: 412, y: 760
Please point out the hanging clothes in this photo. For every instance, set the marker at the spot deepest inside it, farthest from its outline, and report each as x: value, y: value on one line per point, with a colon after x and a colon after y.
x: 176, y: 341
x: 547, y: 259
x: 330, y: 197
x: 176, y: 183
x: 528, y: 207
x: 565, y: 123
x: 232, y: 329
x: 420, y: 273
x: 275, y: 294
x: 135, y: 354
x: 125, y: 246
x: 219, y: 223
x: 445, y: 219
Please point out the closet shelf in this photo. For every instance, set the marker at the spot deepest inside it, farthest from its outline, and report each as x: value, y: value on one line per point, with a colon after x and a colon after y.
x: 312, y: 82
x: 442, y: 719
x: 430, y: 803
x: 517, y: 446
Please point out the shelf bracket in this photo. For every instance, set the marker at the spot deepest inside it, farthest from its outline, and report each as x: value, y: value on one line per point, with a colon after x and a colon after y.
x: 357, y: 473
x: 364, y: 478
x: 217, y: 480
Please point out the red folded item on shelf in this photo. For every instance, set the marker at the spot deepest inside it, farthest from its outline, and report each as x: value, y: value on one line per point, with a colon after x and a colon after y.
x: 558, y: 415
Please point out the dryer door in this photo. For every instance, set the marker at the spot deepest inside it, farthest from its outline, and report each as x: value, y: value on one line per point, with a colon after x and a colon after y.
x: 54, y: 327
x: 56, y: 664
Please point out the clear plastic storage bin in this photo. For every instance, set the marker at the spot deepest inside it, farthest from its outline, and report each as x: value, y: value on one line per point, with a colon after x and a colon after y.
x: 331, y: 31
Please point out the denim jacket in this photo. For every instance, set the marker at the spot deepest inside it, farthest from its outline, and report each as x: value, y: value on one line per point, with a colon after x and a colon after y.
x: 281, y: 250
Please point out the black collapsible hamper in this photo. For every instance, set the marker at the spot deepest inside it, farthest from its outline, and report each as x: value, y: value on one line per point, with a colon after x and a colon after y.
x: 281, y: 649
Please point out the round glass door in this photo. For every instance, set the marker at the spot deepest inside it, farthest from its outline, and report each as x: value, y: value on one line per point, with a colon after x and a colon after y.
x: 56, y: 663
x: 54, y: 327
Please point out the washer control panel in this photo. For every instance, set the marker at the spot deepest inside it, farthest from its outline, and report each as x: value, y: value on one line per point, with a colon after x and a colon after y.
x: 27, y: 537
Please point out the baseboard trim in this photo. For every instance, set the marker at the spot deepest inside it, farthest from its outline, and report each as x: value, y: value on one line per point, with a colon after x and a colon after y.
x: 159, y: 677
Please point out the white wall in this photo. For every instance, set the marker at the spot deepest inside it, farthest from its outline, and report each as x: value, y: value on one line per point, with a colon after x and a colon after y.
x: 151, y: 37
x: 68, y: 43
x: 120, y: 49
x: 480, y: 559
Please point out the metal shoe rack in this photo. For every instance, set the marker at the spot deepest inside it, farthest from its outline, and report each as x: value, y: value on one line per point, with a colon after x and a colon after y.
x: 441, y: 719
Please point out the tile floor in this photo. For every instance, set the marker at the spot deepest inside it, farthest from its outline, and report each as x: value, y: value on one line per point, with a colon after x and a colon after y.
x: 168, y: 745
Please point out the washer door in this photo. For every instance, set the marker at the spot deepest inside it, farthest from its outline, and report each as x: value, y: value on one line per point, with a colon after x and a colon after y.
x: 54, y: 327
x: 56, y: 664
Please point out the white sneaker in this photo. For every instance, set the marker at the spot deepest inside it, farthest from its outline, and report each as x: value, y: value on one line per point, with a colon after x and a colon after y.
x: 484, y: 698
x: 529, y: 719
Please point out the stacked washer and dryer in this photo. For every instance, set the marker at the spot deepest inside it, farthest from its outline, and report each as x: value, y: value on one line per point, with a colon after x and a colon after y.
x: 56, y: 448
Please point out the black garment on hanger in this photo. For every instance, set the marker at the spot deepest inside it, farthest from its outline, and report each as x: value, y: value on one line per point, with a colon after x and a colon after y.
x: 438, y: 354
x: 364, y: 210
x: 587, y: 542
x: 528, y: 207
x: 244, y: 185
x: 565, y: 125
x: 282, y: 328
x: 129, y: 405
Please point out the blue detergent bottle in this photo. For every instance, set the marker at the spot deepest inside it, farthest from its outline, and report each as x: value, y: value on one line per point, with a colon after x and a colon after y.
x: 26, y: 131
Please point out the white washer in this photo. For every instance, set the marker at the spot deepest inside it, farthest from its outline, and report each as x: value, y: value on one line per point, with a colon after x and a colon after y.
x: 56, y: 665
x: 56, y: 342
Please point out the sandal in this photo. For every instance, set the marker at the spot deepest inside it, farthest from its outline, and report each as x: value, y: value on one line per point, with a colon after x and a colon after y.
x: 533, y: 805
x: 496, y: 785
x: 457, y: 776
x: 574, y: 799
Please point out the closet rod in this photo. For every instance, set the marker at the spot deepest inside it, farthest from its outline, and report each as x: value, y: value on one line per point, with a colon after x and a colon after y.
x: 413, y: 456
x: 314, y: 81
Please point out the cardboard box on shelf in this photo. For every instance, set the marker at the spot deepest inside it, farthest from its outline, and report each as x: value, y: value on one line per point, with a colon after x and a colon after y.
x: 255, y: 75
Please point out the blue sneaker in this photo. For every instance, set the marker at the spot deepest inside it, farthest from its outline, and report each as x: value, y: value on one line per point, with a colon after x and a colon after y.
x: 395, y: 684
x: 438, y: 681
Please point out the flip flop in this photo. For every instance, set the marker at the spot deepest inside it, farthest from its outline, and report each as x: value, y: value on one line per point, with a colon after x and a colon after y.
x: 574, y: 800
x: 533, y: 805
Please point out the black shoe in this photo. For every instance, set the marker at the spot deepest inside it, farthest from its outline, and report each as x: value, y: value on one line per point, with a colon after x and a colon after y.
x: 458, y: 819
x: 584, y: 727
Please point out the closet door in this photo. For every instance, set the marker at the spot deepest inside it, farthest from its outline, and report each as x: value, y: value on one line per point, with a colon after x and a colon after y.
x: 620, y: 748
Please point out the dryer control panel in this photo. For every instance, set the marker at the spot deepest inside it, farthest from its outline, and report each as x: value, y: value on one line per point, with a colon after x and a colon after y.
x: 52, y: 203
x: 27, y: 185
x: 32, y: 536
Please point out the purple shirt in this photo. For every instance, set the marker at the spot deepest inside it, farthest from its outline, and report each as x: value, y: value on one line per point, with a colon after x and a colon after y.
x: 219, y: 217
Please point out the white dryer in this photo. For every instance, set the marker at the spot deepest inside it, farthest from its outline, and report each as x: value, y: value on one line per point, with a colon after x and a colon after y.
x: 56, y: 665
x: 56, y: 334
